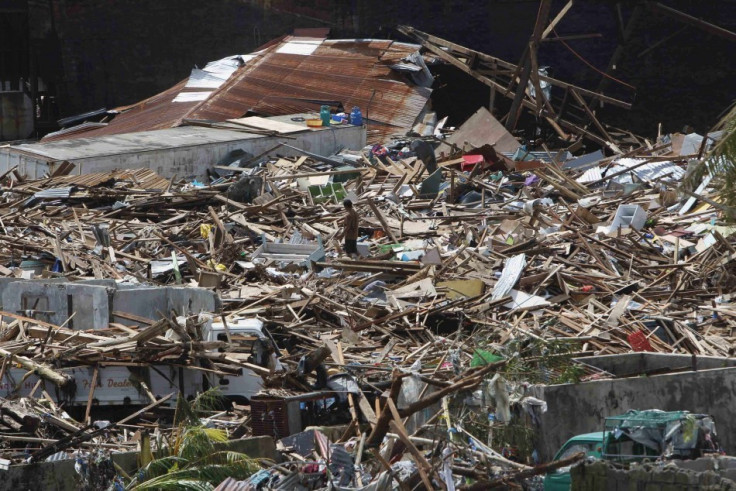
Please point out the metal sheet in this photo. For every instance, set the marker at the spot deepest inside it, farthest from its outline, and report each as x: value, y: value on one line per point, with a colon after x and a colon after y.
x: 192, y: 96
x: 278, y: 81
x: 54, y: 193
x: 304, y: 47
x: 483, y: 129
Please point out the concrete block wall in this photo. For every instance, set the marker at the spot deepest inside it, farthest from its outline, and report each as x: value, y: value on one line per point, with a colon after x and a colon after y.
x: 144, y: 302
x: 605, y: 476
x: 93, y: 303
x: 49, y: 299
x: 90, y: 305
x: 193, y: 161
x: 633, y: 364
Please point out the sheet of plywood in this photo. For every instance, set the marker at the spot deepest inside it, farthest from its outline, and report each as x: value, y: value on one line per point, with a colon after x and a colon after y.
x: 269, y: 124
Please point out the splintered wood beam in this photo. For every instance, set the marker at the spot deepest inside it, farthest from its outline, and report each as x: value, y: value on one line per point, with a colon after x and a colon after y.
x: 689, y: 19
x: 43, y: 371
x: 534, y: 73
x: 592, y: 117
x: 556, y: 20
x: 382, y: 220
x: 515, y: 111
x: 450, y: 52
x: 572, y: 37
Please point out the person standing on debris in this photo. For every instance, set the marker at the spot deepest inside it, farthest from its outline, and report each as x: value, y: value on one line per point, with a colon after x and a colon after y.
x: 351, y: 229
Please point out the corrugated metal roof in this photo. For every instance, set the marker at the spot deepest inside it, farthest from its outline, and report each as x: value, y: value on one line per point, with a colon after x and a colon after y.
x: 646, y: 172
x: 68, y: 132
x: 294, y: 75
x: 154, y: 113
x: 54, y: 193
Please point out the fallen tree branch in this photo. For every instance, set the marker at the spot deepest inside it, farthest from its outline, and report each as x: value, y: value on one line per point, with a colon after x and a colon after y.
x: 540, y: 469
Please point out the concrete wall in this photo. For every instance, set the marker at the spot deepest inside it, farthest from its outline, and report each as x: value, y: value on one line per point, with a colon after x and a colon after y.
x: 185, y: 161
x: 60, y: 475
x: 94, y: 302
x: 707, y: 474
x: 628, y: 364
x: 581, y: 408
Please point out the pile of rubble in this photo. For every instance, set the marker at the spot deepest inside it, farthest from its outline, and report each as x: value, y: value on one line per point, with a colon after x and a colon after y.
x: 480, y: 272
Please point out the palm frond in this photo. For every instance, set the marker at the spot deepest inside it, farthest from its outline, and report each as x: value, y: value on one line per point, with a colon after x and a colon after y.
x: 166, y: 483
x: 160, y: 467
x: 195, y: 465
x: 227, y: 458
x: 184, y: 413
x: 213, y: 474
x: 720, y: 162
x: 208, y: 400
x: 198, y: 441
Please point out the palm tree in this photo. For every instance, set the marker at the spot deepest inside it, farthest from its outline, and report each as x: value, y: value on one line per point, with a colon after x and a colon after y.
x: 721, y: 163
x: 194, y: 462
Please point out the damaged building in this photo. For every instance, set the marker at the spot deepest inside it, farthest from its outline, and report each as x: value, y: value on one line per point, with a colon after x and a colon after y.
x: 300, y: 259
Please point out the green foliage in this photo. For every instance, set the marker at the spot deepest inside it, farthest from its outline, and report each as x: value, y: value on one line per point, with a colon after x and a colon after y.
x: 571, y: 374
x: 189, y: 413
x: 209, y: 400
x: 195, y: 463
x: 538, y: 361
x: 197, y: 442
x: 721, y: 162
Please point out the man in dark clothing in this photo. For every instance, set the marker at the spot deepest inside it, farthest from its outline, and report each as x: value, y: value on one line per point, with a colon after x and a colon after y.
x: 351, y: 229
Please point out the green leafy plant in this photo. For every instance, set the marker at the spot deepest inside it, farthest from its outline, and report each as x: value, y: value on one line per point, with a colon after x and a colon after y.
x: 194, y: 462
x: 721, y: 163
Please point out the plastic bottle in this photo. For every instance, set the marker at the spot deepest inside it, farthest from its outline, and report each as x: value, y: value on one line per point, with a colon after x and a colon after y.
x: 324, y: 115
x: 356, y: 117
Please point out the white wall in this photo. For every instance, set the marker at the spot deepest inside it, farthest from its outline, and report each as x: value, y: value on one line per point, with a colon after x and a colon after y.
x: 190, y: 162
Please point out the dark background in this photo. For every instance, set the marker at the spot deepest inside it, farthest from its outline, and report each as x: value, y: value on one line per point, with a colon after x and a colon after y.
x: 94, y: 54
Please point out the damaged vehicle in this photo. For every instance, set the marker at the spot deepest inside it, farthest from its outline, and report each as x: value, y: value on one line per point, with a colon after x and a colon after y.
x: 638, y: 435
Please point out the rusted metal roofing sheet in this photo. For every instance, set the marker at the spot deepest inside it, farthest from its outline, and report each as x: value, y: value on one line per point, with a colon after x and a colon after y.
x: 155, y: 113
x: 356, y: 73
x: 353, y: 72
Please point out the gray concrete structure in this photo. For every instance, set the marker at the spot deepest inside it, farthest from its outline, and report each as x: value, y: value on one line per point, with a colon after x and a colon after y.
x: 581, y: 408
x: 144, y: 302
x: 186, y: 151
x: 90, y: 305
x: 48, y: 299
x: 95, y: 302
x: 60, y: 475
x: 710, y: 473
x: 184, y: 300
x: 633, y: 364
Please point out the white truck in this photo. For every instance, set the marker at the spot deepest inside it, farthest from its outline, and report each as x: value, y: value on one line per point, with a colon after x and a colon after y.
x: 249, y: 342
x: 134, y: 385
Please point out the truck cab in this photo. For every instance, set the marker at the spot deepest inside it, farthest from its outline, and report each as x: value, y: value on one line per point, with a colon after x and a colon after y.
x: 638, y: 435
x: 249, y: 343
x: 589, y: 443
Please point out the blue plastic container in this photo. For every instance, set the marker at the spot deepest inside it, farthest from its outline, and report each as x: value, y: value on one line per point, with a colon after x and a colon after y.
x: 356, y: 117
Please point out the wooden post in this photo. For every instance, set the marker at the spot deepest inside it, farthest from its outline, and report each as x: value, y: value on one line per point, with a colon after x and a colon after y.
x: 43, y: 371
x: 91, y: 395
x: 542, y: 16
